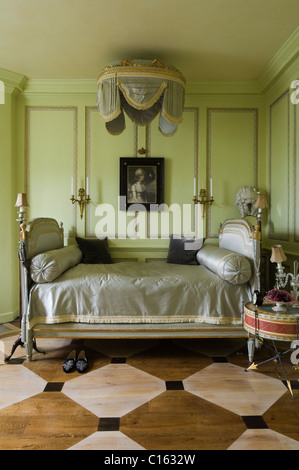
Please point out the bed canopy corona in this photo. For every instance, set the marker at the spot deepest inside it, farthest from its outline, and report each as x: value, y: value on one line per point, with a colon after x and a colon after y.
x: 142, y: 89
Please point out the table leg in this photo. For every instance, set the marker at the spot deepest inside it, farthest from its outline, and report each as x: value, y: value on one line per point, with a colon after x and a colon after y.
x: 277, y: 356
x: 251, y: 348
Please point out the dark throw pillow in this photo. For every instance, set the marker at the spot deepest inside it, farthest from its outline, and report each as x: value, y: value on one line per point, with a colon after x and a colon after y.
x: 94, y: 251
x: 183, y: 250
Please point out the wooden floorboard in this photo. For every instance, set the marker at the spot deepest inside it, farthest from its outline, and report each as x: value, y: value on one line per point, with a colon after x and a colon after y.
x: 185, y: 394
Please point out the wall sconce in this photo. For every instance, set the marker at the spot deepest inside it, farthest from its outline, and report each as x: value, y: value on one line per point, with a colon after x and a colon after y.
x: 203, y: 197
x: 83, y: 197
x: 282, y: 278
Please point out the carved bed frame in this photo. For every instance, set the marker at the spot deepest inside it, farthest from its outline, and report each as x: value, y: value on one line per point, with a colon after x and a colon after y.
x: 44, y: 234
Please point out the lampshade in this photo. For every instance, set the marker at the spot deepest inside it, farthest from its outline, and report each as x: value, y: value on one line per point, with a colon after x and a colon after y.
x: 22, y: 200
x: 141, y: 88
x: 278, y: 255
x: 261, y: 202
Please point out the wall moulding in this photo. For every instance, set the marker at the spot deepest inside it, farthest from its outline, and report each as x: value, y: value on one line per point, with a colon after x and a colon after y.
x: 296, y: 175
x: 141, y: 136
x: 217, y: 140
x: 89, y: 112
x: 31, y: 138
x: 228, y: 87
x: 279, y: 176
x: 60, y: 87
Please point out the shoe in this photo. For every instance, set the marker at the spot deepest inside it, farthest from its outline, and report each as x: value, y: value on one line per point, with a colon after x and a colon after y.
x: 70, y: 362
x: 82, y: 362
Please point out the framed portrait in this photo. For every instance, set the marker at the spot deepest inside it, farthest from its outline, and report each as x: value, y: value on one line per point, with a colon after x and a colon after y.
x: 141, y: 182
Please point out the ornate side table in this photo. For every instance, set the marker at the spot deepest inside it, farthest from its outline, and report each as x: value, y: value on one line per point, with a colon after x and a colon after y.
x: 263, y: 322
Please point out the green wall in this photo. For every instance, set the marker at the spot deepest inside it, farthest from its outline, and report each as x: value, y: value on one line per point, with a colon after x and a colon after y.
x: 8, y: 227
x: 64, y: 138
x: 237, y: 133
x: 282, y: 161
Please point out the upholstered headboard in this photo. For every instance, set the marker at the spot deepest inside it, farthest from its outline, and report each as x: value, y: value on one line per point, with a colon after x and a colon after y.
x: 42, y: 234
x: 240, y: 236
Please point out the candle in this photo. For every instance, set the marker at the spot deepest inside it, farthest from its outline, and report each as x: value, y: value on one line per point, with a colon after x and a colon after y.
x: 87, y: 186
x: 211, y: 187
x: 194, y: 191
x: 72, y: 187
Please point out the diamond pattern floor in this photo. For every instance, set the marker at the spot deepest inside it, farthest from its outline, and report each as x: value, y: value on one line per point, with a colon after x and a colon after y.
x: 147, y: 395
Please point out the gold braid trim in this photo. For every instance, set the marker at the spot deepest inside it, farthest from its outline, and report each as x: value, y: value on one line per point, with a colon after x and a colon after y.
x: 171, y: 118
x: 146, y: 105
x: 170, y: 133
x: 143, y: 71
x: 111, y: 116
x: 123, y: 319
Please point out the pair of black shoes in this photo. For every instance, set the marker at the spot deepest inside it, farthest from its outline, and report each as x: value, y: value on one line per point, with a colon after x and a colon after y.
x: 72, y: 362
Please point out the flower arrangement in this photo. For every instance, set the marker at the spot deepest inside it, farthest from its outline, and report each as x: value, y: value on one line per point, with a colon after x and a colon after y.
x: 278, y: 295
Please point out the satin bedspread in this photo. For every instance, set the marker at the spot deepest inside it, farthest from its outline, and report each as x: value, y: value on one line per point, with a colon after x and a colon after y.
x: 134, y: 292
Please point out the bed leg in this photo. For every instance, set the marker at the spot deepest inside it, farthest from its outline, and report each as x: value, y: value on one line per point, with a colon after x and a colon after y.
x: 29, y: 345
x: 251, y: 347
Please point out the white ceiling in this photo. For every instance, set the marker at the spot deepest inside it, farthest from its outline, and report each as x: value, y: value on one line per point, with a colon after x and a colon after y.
x: 204, y: 39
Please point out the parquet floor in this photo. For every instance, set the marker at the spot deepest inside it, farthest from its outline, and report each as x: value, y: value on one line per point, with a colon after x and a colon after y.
x: 147, y: 395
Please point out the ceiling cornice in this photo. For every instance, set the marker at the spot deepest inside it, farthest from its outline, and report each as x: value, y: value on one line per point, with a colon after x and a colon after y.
x: 61, y: 86
x: 89, y: 86
x: 12, y: 80
x: 282, y: 59
x: 223, y: 87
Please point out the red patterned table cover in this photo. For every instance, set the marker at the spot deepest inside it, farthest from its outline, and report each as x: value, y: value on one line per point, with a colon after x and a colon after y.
x: 266, y: 323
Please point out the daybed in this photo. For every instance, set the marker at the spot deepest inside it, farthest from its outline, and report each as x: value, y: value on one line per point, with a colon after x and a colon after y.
x: 65, y: 294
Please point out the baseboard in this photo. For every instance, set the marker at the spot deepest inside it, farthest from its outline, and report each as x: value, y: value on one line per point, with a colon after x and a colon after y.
x: 9, y: 316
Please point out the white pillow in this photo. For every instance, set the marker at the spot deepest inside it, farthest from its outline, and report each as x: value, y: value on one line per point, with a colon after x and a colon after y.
x: 229, y: 266
x: 47, y: 266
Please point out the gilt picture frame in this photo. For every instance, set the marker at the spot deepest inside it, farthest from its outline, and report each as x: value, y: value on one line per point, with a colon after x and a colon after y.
x: 141, y: 182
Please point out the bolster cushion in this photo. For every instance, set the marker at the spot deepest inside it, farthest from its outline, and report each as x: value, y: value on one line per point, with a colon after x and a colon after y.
x: 46, y: 267
x: 229, y: 266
